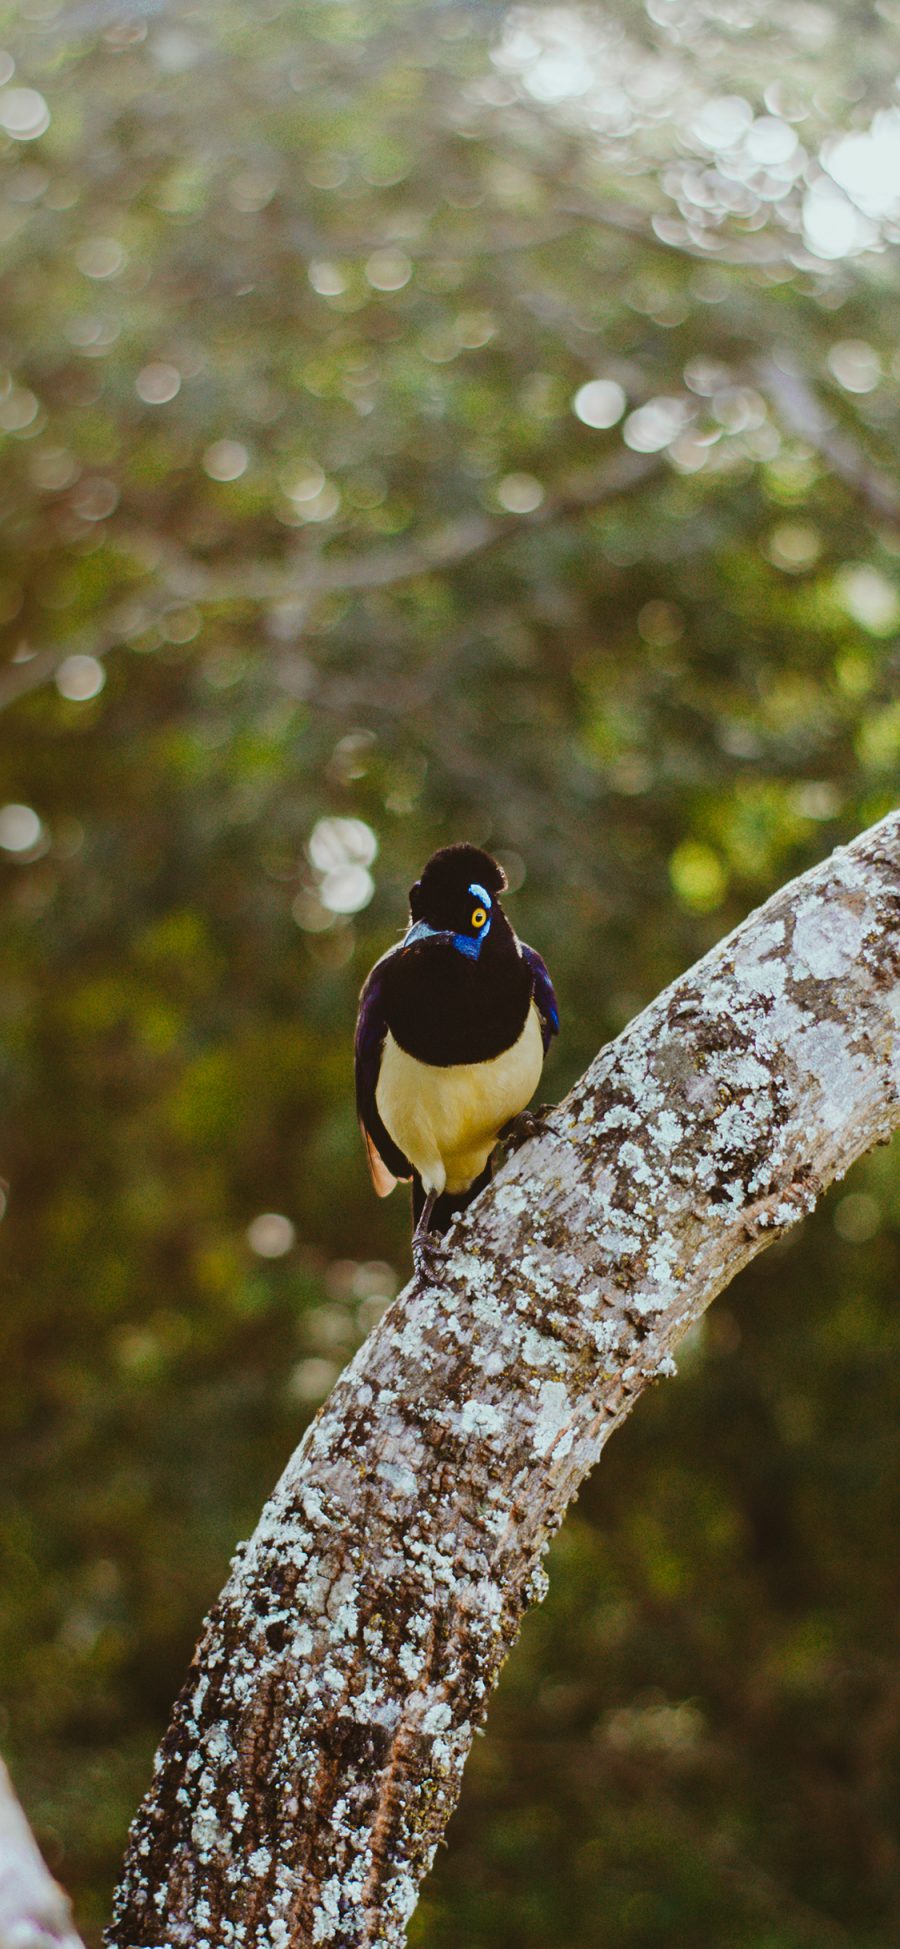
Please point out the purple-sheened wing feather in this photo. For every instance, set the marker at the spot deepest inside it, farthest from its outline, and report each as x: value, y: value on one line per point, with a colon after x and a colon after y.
x: 386, y: 1161
x: 544, y: 995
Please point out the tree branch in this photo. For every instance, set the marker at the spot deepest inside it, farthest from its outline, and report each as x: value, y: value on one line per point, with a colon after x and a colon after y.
x: 446, y: 546
x: 34, y: 1912
x: 317, y: 1749
x: 668, y: 230
x: 804, y: 412
x: 309, y: 577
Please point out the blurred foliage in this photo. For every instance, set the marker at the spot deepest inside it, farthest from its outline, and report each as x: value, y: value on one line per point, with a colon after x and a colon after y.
x: 421, y: 422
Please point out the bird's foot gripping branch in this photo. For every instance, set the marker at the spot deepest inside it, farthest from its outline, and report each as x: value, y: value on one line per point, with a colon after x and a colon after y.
x: 527, y: 1125
x: 429, y: 1253
x: 317, y: 1749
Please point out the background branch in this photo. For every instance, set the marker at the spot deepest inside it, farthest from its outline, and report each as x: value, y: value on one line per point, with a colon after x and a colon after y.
x: 183, y: 578
x: 806, y: 414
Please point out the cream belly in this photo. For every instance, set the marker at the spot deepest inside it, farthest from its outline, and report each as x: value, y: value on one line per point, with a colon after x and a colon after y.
x: 446, y: 1120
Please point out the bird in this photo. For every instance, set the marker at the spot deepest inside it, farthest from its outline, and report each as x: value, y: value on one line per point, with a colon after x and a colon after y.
x: 454, y: 1023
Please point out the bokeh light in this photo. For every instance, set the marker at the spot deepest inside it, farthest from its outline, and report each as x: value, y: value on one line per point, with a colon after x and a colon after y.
x: 158, y: 383
x: 271, y: 1235
x: 20, y: 828
x: 600, y: 403
x: 225, y: 460
x: 80, y: 677
x: 24, y: 114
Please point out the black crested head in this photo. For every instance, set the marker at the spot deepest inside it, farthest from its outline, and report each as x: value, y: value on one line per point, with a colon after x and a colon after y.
x: 458, y: 988
x: 447, y: 883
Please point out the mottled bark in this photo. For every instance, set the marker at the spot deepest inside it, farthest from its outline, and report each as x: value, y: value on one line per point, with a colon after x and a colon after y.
x: 317, y: 1749
x: 34, y: 1912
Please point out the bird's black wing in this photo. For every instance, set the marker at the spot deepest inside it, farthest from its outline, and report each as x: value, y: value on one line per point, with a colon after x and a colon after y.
x: 544, y: 995
x: 386, y: 1161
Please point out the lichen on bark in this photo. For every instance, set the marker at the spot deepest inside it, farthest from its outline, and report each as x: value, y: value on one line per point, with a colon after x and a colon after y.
x: 317, y: 1749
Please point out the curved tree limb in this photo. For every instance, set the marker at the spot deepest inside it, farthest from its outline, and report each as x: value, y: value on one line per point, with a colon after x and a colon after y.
x: 317, y: 1749
x: 806, y: 414
x: 34, y: 1912
x: 311, y: 573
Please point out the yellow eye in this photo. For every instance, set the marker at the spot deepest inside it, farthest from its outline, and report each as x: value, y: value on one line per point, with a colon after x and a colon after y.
x: 479, y: 917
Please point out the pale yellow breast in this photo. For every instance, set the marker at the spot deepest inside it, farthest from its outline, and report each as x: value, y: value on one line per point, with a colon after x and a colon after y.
x: 446, y: 1120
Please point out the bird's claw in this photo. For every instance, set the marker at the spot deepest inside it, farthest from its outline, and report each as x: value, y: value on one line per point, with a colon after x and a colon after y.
x: 528, y: 1124
x: 429, y: 1251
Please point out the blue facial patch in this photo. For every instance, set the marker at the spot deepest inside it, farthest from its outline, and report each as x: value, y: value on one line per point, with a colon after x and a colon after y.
x: 471, y: 944
x: 468, y: 944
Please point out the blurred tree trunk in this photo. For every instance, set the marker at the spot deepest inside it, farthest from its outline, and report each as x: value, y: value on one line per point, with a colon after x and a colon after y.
x: 317, y: 1749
